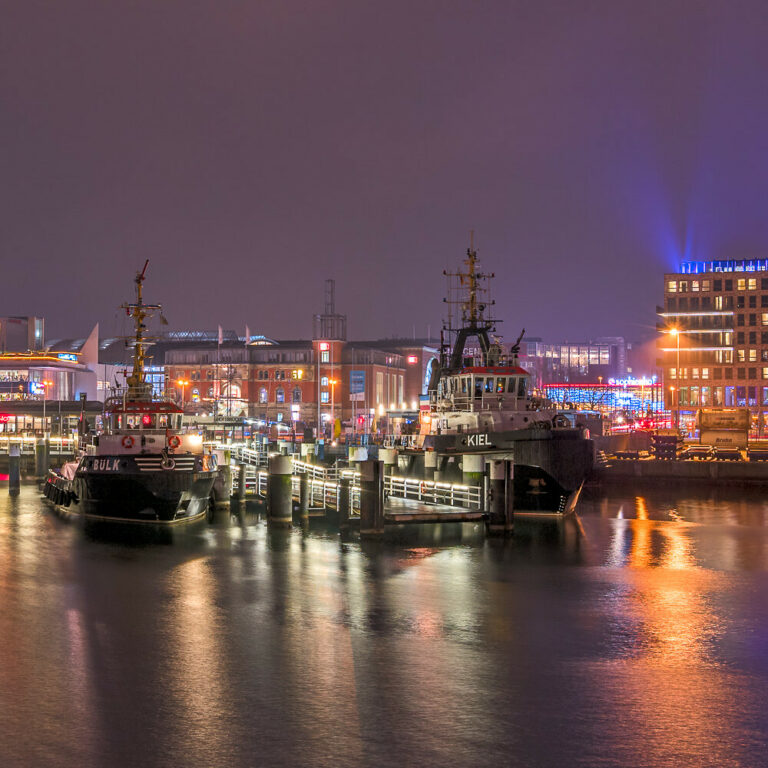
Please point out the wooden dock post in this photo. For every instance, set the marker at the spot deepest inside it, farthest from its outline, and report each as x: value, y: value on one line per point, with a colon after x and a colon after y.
x: 241, y: 482
x: 279, y: 496
x: 502, y: 496
x: 14, y: 469
x: 371, y: 499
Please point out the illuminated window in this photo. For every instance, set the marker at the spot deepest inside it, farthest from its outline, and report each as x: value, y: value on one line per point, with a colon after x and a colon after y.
x: 752, y: 355
x: 718, y: 302
x: 280, y: 395
x: 741, y: 284
x: 262, y: 395
x: 672, y: 286
x: 695, y: 373
x: 296, y: 396
x: 741, y: 355
x: 673, y: 373
x: 324, y: 381
x: 706, y: 285
x: 325, y: 397
x: 683, y: 286
x: 695, y: 286
x: 705, y: 373
x: 764, y: 318
x: 325, y: 356
x: 752, y: 284
x: 765, y: 373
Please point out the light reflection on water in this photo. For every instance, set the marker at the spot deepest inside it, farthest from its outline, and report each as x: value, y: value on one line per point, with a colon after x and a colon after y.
x: 636, y: 634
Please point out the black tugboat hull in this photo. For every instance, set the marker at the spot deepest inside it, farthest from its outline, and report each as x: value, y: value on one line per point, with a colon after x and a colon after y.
x: 550, y: 465
x: 167, y: 498
x: 126, y: 493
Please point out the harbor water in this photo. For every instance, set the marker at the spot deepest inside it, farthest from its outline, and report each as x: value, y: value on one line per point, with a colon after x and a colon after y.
x: 635, y: 634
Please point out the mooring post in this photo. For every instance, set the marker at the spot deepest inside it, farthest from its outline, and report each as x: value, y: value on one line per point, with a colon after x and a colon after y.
x: 472, y: 466
x: 344, y: 501
x: 371, y: 498
x: 279, y: 501
x: 502, y: 496
x: 241, y: 482
x: 389, y: 457
x: 41, y: 459
x: 301, y: 512
x: 430, y: 464
x: 14, y: 469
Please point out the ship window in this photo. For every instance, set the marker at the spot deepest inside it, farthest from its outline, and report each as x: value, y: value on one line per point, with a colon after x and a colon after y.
x: 521, y: 387
x: 162, y: 421
x: 489, y: 384
x: 479, y: 386
x: 463, y: 385
x: 500, y: 384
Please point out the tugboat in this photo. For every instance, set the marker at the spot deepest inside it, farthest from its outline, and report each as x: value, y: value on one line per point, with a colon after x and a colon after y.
x: 481, y: 401
x: 139, y: 466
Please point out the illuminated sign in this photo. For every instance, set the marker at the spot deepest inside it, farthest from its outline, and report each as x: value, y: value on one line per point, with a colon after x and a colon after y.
x: 412, y: 359
x: 5, y: 418
x: 67, y: 356
x: 324, y: 346
x: 631, y: 381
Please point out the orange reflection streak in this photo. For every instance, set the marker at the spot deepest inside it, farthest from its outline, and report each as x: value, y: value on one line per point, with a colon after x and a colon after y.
x: 199, y: 677
x: 670, y: 674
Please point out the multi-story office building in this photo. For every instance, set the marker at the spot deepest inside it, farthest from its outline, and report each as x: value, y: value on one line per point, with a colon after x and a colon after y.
x: 589, y: 361
x: 714, y: 337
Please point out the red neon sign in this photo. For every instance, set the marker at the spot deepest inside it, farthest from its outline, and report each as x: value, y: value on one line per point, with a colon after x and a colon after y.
x: 412, y: 359
x: 324, y: 346
x: 5, y: 418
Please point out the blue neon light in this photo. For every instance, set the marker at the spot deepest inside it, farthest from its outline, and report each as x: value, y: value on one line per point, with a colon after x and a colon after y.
x: 67, y: 356
x: 726, y: 265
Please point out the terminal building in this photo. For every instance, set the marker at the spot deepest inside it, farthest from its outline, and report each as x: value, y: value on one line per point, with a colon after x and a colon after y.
x: 713, y: 343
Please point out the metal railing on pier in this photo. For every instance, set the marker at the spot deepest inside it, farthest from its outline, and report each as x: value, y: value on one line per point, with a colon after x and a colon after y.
x: 325, y: 487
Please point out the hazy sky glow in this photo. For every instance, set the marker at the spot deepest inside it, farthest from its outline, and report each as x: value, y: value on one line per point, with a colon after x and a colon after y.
x: 251, y: 149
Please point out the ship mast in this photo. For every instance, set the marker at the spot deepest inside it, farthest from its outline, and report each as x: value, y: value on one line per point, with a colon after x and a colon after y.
x: 468, y: 290
x: 139, y: 311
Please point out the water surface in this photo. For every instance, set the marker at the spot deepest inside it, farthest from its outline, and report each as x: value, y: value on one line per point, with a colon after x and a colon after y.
x: 633, y: 635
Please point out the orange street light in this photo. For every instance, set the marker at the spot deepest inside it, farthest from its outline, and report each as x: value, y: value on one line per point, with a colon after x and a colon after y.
x: 182, y: 383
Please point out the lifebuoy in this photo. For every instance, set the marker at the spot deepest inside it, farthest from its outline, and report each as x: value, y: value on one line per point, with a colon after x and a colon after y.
x: 174, y: 441
x: 127, y: 441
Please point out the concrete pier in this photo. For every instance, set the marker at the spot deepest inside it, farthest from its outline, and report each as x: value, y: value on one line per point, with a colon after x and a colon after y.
x: 501, y: 503
x: 279, y: 497
x: 372, y: 499
x: 14, y: 470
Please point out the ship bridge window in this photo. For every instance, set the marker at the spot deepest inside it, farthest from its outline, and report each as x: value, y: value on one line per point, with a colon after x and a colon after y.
x: 463, y: 385
x: 501, y: 382
x: 479, y: 386
x: 489, y: 384
x: 521, y: 387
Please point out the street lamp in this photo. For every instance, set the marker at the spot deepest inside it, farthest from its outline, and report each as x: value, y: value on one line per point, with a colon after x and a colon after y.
x: 182, y: 383
x: 676, y: 332
x: 45, y: 384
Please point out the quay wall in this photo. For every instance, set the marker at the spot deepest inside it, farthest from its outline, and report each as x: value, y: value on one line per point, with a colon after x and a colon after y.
x: 721, y: 472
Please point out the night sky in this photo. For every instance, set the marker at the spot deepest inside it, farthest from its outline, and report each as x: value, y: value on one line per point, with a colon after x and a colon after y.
x: 252, y: 149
